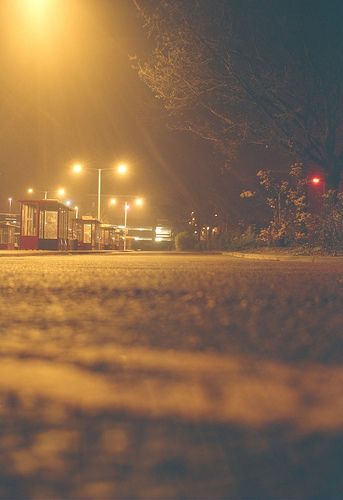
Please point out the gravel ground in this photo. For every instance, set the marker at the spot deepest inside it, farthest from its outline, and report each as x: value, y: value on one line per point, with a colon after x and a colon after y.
x: 161, y: 376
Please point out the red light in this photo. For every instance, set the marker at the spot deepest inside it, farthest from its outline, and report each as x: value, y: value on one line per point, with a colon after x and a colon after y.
x: 315, y: 180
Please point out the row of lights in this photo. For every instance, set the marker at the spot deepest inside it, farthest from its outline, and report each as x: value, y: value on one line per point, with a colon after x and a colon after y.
x: 78, y: 168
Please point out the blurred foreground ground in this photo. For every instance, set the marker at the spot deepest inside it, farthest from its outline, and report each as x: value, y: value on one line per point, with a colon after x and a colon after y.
x: 169, y: 376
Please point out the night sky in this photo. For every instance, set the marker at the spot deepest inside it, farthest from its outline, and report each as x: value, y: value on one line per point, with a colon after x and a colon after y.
x: 69, y: 93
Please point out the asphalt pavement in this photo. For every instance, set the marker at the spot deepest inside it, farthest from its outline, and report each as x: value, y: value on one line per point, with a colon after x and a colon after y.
x: 149, y: 376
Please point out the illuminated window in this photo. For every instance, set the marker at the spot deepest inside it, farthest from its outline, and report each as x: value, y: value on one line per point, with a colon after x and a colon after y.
x: 87, y: 233
x: 29, y: 220
x: 48, y: 225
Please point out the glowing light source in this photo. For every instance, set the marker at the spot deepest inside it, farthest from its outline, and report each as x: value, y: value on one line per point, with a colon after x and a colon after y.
x: 61, y: 192
x: 113, y: 201
x: 315, y: 180
x: 122, y: 169
x: 139, y: 202
x: 77, y: 168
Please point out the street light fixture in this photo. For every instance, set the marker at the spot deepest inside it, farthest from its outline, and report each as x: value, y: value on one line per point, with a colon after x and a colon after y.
x: 139, y: 202
x: 10, y: 204
x: 121, y: 170
x: 318, y: 182
x: 60, y: 192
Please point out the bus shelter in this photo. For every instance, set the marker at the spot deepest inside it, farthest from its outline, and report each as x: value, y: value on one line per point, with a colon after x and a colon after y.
x: 110, y: 237
x: 87, y: 234
x: 7, y: 236
x: 45, y: 225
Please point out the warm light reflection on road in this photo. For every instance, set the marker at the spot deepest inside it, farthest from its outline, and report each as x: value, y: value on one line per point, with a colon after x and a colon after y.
x: 265, y: 393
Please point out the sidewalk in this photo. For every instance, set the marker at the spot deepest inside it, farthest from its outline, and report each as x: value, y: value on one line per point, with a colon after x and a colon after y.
x: 39, y: 253
x: 285, y: 257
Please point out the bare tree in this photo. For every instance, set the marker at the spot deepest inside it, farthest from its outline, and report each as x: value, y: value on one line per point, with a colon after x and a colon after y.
x: 248, y: 71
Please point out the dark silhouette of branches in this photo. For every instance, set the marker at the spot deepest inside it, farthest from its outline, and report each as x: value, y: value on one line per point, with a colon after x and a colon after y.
x: 251, y: 72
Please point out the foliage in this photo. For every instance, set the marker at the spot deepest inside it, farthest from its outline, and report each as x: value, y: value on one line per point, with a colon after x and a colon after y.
x: 184, y: 241
x: 288, y: 201
x: 293, y: 223
x: 239, y: 238
x: 330, y: 224
x: 256, y: 71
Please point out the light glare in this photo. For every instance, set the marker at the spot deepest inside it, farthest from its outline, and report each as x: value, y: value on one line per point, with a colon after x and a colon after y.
x: 77, y: 168
x: 122, y: 169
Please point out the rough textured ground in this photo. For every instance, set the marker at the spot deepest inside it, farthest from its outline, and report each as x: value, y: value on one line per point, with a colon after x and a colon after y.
x: 146, y: 376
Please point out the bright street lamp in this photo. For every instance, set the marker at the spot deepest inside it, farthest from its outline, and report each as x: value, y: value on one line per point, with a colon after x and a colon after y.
x: 10, y: 204
x: 77, y: 168
x: 121, y: 170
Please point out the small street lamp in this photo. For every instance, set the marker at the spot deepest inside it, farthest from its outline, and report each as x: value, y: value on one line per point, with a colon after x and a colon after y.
x: 318, y: 182
x: 10, y: 204
x: 137, y: 201
x: 60, y: 192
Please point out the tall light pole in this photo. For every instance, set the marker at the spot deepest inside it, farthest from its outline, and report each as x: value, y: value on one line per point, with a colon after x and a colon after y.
x: 10, y: 204
x: 121, y: 170
x: 138, y: 203
x: 99, y: 194
x: 126, y: 208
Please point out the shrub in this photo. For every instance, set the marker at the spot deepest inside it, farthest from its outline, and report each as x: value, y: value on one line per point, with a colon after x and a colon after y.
x: 184, y: 241
x: 237, y: 239
x: 244, y: 239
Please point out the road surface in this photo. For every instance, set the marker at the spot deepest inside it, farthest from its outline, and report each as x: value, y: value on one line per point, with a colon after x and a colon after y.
x: 144, y: 376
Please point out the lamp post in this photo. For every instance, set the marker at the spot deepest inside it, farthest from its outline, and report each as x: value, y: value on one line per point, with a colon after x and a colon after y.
x: 59, y: 192
x: 126, y: 208
x: 121, y: 170
x: 137, y: 201
x: 10, y: 204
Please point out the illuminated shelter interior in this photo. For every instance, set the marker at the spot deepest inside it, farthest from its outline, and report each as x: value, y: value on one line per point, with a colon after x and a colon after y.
x: 45, y: 225
x: 87, y: 233
x: 7, y: 236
